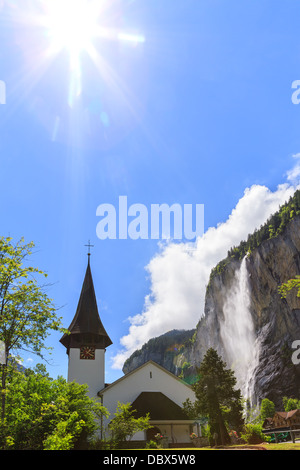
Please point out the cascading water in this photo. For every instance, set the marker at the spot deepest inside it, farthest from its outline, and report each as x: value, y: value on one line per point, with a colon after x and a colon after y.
x: 238, y: 334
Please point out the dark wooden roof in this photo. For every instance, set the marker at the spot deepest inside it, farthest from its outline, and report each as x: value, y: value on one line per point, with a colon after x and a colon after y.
x: 86, y: 327
x: 159, y: 406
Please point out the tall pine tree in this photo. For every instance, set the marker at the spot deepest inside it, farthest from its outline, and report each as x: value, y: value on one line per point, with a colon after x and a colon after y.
x: 217, y: 397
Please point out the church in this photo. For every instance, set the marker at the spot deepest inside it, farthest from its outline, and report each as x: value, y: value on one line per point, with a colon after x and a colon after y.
x: 149, y: 388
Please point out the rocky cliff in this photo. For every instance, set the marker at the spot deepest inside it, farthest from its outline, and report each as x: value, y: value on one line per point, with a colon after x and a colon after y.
x: 247, y: 322
x: 263, y: 335
x: 171, y: 350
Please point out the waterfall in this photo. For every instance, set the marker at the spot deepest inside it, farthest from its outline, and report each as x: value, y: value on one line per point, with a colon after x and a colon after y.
x: 238, y: 335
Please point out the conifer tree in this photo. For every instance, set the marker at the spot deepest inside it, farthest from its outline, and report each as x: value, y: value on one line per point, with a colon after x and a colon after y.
x: 217, y: 398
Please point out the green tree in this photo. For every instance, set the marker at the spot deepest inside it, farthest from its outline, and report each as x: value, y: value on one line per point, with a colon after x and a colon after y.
x: 190, y: 409
x: 290, y: 404
x: 26, y: 312
x: 124, y: 424
x: 217, y: 398
x: 267, y: 409
x: 46, y: 414
x: 286, y: 287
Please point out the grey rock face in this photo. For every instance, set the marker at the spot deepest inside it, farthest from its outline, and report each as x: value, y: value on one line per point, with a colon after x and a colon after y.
x: 246, y: 319
x: 276, y: 321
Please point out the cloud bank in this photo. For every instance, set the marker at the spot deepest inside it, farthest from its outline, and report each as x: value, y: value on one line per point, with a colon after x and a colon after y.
x: 179, y: 273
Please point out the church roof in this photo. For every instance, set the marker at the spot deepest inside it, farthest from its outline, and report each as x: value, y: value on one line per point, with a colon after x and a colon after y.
x: 134, y: 371
x: 159, y: 406
x: 86, y: 326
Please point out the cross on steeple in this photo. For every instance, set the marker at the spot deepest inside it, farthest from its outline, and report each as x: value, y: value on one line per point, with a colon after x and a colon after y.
x: 89, y: 247
x: 86, y: 328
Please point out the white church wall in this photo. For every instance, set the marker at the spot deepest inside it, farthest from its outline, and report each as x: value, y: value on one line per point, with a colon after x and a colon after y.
x: 87, y: 371
x: 149, y: 377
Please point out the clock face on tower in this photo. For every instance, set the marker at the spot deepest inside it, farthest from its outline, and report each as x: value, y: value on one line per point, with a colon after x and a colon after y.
x: 87, y: 352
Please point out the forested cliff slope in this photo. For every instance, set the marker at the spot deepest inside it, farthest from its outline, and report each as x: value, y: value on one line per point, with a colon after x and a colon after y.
x: 245, y: 319
x: 248, y: 322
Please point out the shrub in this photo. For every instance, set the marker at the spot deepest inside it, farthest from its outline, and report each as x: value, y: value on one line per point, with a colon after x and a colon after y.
x: 47, y: 414
x: 152, y: 445
x: 253, y: 434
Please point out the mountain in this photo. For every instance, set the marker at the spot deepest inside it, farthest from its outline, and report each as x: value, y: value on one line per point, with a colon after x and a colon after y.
x: 167, y: 350
x: 245, y: 319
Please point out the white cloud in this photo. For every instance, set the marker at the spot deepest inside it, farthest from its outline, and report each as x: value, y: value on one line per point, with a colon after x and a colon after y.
x: 179, y: 273
x: 293, y: 175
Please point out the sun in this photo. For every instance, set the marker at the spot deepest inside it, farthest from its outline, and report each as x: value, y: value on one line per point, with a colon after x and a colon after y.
x: 80, y: 43
x: 71, y: 25
x: 75, y: 26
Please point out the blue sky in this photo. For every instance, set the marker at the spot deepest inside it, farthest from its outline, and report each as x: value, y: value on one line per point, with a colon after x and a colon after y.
x: 194, y: 114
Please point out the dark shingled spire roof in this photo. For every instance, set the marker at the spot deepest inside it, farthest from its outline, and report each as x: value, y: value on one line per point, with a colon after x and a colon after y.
x: 86, y: 327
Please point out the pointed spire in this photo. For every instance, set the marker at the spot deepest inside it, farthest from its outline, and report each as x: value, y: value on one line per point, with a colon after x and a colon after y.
x: 86, y: 327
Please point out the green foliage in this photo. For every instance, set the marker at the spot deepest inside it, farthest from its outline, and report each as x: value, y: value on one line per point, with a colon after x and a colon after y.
x: 61, y: 438
x: 286, y: 287
x: 46, y: 414
x: 152, y: 445
x: 253, y: 434
x: 26, y: 312
x: 190, y: 409
x: 274, y: 226
x: 267, y: 409
x: 290, y: 404
x: 186, y: 365
x: 124, y: 424
x: 217, y: 397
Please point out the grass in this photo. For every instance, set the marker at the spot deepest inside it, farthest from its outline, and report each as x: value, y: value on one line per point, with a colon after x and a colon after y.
x: 262, y: 446
x: 283, y: 446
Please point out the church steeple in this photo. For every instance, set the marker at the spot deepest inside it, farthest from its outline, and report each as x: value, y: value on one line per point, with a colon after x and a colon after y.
x: 86, y: 327
x: 87, y: 340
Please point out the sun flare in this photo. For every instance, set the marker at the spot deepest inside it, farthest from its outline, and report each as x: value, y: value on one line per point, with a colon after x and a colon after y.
x: 75, y: 26
x: 82, y: 51
x: 71, y: 25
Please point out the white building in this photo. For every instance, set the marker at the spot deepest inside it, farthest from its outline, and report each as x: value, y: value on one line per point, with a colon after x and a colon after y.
x: 150, y: 388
